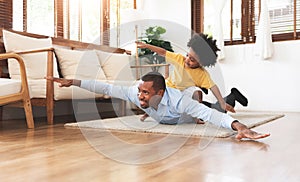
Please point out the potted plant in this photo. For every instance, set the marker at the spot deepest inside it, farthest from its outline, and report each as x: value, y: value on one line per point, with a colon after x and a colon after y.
x: 153, y: 37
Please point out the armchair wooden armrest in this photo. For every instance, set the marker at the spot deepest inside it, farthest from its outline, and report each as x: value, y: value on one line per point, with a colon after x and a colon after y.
x: 23, y: 94
x: 49, y: 84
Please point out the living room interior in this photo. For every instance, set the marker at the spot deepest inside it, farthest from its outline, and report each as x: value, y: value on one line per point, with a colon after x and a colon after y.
x: 258, y: 43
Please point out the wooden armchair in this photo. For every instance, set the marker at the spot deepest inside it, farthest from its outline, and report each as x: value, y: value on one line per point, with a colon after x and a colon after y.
x: 19, y: 91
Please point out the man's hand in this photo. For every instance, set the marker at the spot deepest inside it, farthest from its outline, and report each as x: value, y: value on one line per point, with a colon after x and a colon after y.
x: 244, y: 132
x: 64, y: 82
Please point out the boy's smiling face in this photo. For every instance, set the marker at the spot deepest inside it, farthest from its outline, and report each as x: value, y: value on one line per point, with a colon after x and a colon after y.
x: 192, y: 60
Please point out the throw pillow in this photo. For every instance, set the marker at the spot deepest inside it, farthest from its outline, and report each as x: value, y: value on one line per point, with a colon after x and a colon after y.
x: 79, y: 64
x: 116, y: 66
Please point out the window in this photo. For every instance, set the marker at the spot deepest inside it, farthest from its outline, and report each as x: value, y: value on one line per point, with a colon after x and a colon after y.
x: 40, y: 17
x: 83, y: 19
x: 18, y: 15
x: 91, y: 20
x: 115, y: 12
x: 73, y: 19
x: 234, y: 32
x: 240, y: 19
x: 80, y: 20
x: 281, y: 15
x: 285, y: 18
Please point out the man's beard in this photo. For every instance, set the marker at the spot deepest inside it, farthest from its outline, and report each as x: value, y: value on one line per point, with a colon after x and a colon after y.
x: 145, y: 105
x: 154, y: 101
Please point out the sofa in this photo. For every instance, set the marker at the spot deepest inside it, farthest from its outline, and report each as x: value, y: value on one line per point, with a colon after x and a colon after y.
x: 46, y: 56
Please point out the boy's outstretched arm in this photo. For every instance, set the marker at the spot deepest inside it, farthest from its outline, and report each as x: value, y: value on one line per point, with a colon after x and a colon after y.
x: 160, y: 51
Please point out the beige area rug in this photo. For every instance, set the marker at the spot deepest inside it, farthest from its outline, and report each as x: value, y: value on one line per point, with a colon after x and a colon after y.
x: 133, y: 124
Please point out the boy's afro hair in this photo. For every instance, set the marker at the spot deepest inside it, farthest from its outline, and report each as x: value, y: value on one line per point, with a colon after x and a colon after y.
x: 205, y: 48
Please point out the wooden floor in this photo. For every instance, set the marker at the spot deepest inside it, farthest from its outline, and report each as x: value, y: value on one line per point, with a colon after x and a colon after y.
x: 54, y: 153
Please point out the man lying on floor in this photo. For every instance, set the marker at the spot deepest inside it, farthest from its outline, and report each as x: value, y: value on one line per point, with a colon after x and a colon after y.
x: 165, y: 105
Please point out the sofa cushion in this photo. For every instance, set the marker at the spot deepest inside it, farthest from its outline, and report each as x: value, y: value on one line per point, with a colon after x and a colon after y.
x: 9, y: 86
x: 79, y: 64
x: 35, y: 64
x: 116, y: 66
x: 61, y: 93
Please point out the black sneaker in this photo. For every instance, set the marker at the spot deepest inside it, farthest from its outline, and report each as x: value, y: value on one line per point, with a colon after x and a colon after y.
x: 239, y: 97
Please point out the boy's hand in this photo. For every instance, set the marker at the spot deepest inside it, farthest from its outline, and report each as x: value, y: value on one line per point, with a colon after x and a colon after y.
x: 141, y: 45
x: 229, y: 108
x: 160, y: 51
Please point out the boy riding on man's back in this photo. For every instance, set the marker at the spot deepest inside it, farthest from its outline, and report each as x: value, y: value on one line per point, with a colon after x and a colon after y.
x: 190, y: 76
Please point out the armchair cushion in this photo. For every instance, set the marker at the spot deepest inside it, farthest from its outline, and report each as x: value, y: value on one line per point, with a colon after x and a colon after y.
x: 9, y: 86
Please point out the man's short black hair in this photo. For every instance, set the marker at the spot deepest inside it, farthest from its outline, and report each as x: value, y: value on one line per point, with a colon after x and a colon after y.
x: 205, y: 48
x: 157, y: 79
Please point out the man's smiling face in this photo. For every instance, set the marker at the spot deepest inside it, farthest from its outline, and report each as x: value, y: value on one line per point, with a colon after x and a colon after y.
x: 148, y: 96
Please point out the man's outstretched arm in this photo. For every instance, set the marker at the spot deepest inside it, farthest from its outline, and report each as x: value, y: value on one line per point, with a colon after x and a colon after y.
x: 90, y: 85
x: 128, y: 93
x: 198, y: 110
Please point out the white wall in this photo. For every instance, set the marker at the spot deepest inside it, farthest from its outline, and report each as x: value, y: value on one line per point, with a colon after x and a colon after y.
x: 270, y: 85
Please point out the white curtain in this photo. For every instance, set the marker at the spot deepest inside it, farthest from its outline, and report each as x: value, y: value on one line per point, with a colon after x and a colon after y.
x: 218, y: 27
x: 263, y: 44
